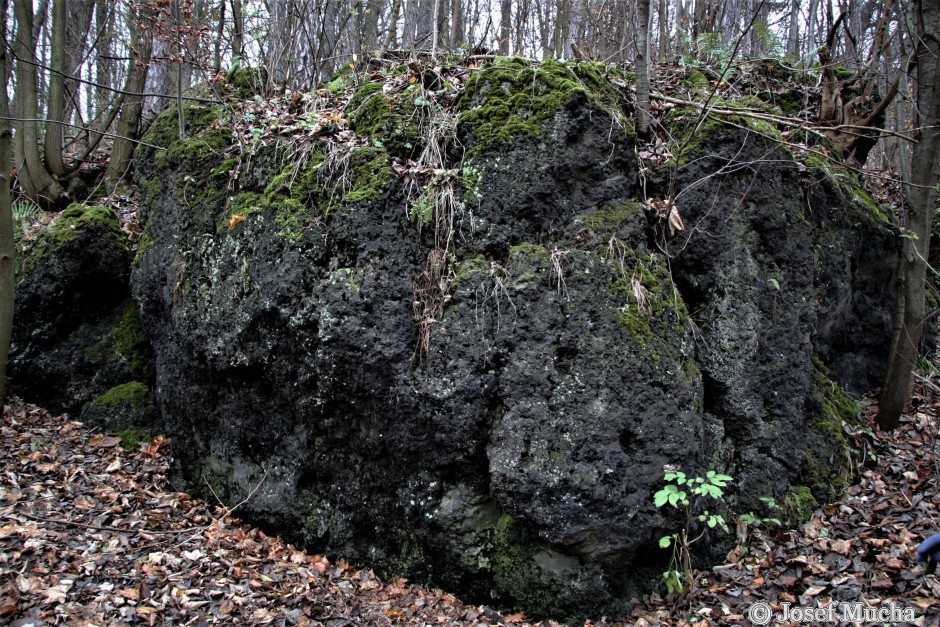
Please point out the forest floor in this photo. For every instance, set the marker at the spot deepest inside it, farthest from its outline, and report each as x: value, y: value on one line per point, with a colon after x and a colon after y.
x: 93, y: 534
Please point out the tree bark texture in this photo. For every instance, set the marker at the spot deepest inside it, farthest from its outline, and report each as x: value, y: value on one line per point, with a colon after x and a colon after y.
x: 31, y: 170
x: 7, y: 246
x: 129, y: 122
x: 920, y: 194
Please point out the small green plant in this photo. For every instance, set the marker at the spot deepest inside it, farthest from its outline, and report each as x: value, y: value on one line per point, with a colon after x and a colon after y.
x: 752, y: 519
x: 682, y: 492
x: 23, y: 211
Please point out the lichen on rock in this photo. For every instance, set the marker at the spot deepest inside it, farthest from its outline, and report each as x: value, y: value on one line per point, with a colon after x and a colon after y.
x: 571, y: 356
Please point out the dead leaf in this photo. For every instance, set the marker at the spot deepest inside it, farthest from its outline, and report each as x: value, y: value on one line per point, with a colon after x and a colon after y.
x: 104, y: 441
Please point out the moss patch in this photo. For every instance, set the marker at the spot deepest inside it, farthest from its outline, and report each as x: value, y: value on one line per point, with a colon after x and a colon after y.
x: 798, y: 505
x: 651, y: 309
x: 75, y: 221
x: 824, y: 445
x: 134, y: 393
x: 610, y: 219
x: 77, y: 218
x: 845, y: 182
x: 371, y: 174
x: 132, y: 344
x: 133, y: 437
x: 513, y: 98
x: 391, y: 119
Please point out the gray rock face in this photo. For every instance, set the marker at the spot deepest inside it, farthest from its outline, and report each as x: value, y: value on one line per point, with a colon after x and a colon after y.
x: 568, y: 361
x: 780, y: 266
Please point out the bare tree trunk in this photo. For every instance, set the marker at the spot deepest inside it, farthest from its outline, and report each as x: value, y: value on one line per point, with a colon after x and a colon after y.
x: 793, y: 32
x: 920, y: 194
x: 370, y: 37
x: 32, y: 173
x: 219, y: 35
x: 104, y: 64
x: 663, y: 31
x: 391, y: 34
x: 238, y: 29
x: 457, y: 27
x: 278, y: 43
x: 77, y: 30
x: 505, y: 25
x: 129, y: 122
x: 423, y: 24
x: 811, y: 25
x: 522, y: 18
x: 562, y: 27
x: 7, y: 245
x: 683, y: 22
x: 157, y: 76
x: 410, y: 26
x: 55, y: 109
x: 435, y: 25
x: 642, y: 69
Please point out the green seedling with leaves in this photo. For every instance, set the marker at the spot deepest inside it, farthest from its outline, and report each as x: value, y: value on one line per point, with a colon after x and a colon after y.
x: 753, y: 519
x: 680, y: 492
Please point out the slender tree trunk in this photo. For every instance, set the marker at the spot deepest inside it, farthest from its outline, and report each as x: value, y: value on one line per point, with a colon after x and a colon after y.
x: 370, y: 38
x: 411, y: 24
x: 78, y: 26
x: 811, y: 25
x: 32, y: 173
x: 920, y: 194
x: 642, y: 69
x: 7, y: 246
x: 435, y: 25
x: 238, y: 29
x: 505, y: 26
x: 278, y: 43
x: 522, y: 18
x: 55, y: 110
x: 104, y: 64
x: 563, y: 10
x: 663, y: 31
x: 793, y: 32
x: 391, y: 34
x: 423, y: 25
x: 129, y: 122
x: 457, y: 36
x: 219, y: 35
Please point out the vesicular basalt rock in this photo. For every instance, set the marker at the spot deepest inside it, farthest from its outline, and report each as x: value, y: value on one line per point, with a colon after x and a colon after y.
x: 490, y: 399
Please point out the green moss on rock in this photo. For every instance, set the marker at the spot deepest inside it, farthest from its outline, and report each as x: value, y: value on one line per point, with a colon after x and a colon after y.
x: 133, y: 437
x: 131, y: 343
x: 77, y: 218
x: 371, y: 175
x: 513, y: 98
x: 134, y: 393
x: 653, y: 310
x: 391, y: 119
x: 75, y: 221
x: 244, y: 83
x: 845, y: 182
x: 799, y: 505
x: 824, y: 445
x: 516, y: 574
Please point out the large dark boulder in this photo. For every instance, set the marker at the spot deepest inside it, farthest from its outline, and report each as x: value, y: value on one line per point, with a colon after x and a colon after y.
x: 76, y: 333
x: 488, y: 395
